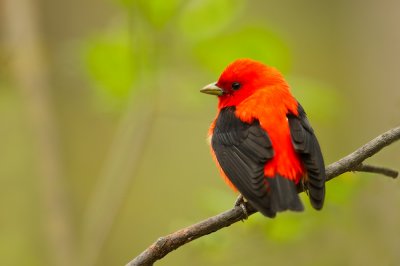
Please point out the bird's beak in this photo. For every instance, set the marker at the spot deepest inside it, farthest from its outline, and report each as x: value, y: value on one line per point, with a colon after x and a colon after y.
x: 212, y: 89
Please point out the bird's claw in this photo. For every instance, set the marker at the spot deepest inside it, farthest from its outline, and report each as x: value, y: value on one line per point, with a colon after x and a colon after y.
x: 239, y: 200
x: 241, y: 203
x: 246, y: 215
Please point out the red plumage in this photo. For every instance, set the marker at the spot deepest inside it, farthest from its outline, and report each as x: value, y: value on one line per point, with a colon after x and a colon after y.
x: 262, y: 141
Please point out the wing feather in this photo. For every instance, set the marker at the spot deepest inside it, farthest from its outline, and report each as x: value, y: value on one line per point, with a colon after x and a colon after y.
x: 242, y: 150
x: 307, y: 146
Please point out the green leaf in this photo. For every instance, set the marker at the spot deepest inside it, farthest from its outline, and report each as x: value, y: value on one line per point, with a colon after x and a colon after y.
x: 157, y: 12
x: 109, y: 63
x: 249, y: 42
x: 205, y: 18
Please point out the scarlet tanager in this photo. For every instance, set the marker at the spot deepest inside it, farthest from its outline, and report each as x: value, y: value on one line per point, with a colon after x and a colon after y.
x: 262, y: 141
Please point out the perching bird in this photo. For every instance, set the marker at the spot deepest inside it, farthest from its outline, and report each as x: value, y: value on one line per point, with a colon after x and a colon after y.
x: 262, y: 140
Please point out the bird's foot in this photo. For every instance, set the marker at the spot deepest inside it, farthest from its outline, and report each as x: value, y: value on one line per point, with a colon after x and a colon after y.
x: 239, y: 200
x: 241, y: 203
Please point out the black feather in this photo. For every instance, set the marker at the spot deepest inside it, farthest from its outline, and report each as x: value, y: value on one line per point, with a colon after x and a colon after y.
x: 242, y: 150
x: 307, y: 146
x: 284, y: 194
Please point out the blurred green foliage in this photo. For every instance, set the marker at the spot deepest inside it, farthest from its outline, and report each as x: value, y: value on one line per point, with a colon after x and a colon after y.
x: 204, y: 19
x: 247, y: 42
x: 108, y: 58
x: 200, y: 25
x: 145, y: 61
x: 157, y: 12
x: 319, y: 100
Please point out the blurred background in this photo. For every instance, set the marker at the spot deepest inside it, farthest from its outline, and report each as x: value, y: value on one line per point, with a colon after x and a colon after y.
x: 103, y: 137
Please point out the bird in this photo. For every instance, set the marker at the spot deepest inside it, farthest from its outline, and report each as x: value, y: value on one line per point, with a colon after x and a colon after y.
x: 262, y: 140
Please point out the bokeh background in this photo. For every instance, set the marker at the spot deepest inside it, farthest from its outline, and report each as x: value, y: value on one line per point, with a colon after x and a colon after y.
x: 103, y: 127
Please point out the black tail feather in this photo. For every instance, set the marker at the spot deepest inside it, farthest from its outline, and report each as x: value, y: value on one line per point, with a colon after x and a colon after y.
x: 283, y: 194
x: 264, y: 208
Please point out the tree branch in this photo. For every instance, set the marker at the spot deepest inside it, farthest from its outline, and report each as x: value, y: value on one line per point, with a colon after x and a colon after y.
x: 376, y: 169
x: 351, y: 162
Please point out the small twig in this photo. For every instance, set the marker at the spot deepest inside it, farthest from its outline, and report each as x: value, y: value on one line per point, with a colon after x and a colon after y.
x: 352, y: 162
x: 376, y: 169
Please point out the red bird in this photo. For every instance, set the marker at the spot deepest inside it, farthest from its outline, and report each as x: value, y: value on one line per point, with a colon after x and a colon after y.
x: 262, y: 141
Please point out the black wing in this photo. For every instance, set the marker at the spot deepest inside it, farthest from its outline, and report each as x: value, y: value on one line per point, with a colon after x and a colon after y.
x: 306, y: 145
x: 242, y: 151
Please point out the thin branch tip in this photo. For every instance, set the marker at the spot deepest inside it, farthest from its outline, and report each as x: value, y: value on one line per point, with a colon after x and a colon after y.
x: 377, y: 170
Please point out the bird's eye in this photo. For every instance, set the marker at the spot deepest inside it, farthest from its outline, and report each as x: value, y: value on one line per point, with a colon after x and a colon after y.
x: 236, y: 86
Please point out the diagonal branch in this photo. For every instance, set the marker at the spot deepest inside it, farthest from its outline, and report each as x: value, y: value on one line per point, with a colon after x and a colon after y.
x: 351, y: 162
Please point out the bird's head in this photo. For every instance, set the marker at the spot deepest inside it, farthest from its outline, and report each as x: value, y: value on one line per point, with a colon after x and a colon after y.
x: 241, y: 79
